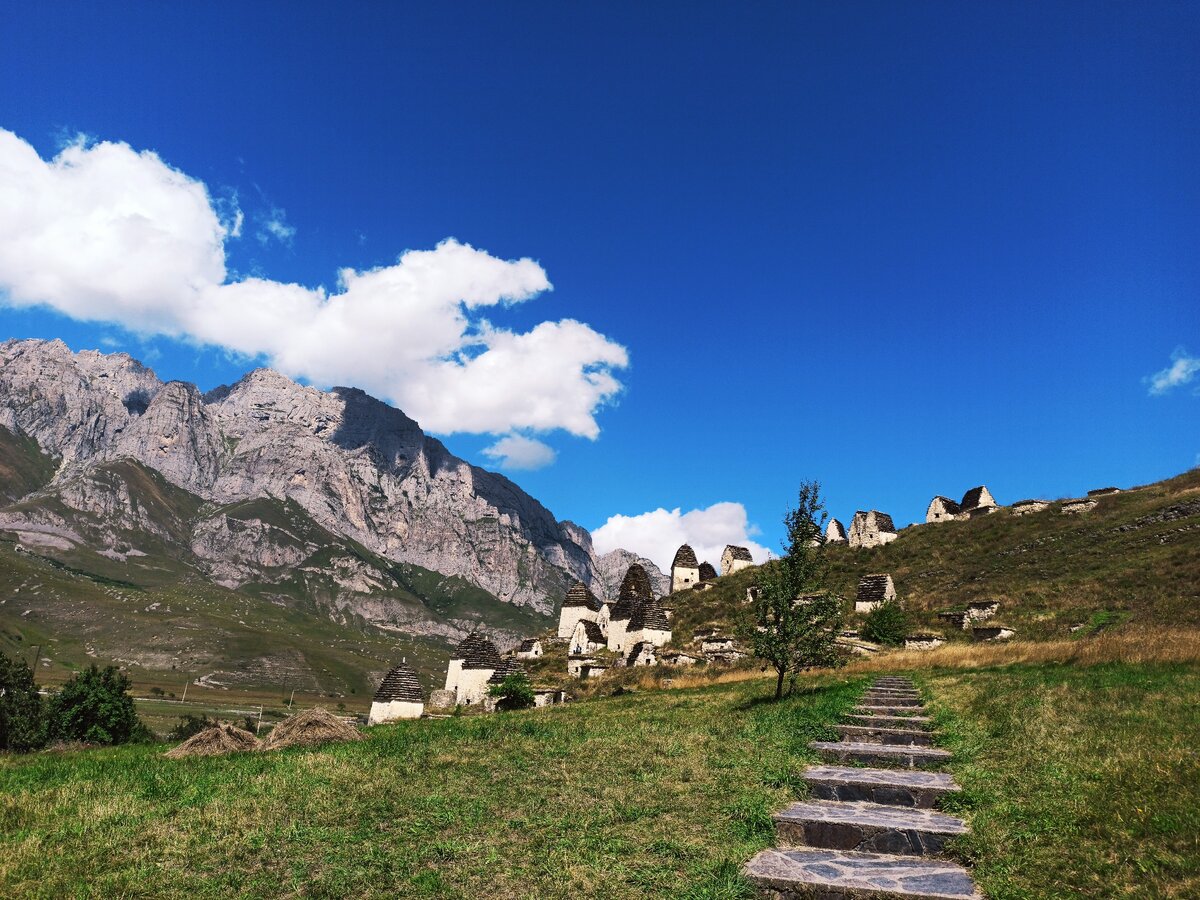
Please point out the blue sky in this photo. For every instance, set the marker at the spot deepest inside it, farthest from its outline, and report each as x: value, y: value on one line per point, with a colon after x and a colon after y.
x: 900, y: 248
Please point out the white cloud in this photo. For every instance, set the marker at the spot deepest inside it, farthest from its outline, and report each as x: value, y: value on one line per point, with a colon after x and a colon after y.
x: 276, y: 226
x: 658, y: 534
x: 1182, y: 370
x: 515, y: 451
x: 104, y: 233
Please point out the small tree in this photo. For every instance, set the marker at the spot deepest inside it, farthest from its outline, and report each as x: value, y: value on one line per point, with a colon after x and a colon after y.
x: 514, y: 692
x: 22, y: 713
x: 95, y: 707
x: 886, y: 624
x: 794, y: 621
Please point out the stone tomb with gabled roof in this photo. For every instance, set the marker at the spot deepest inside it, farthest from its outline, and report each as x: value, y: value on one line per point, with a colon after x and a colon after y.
x: 835, y: 532
x: 587, y: 638
x: 530, y: 648
x: 473, y: 662
x: 978, y: 501
x: 735, y: 558
x: 871, y: 528
x: 685, y: 569
x: 942, y: 509
x: 399, y: 697
x: 649, y: 625
x: 873, y: 591
x: 580, y: 603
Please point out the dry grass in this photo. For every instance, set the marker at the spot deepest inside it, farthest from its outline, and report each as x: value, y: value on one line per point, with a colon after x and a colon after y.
x: 215, y: 741
x: 310, y: 728
x: 1129, y: 645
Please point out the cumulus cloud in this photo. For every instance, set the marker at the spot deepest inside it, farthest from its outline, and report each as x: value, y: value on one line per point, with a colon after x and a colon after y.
x: 102, y: 232
x: 515, y: 451
x: 659, y: 533
x: 1182, y: 370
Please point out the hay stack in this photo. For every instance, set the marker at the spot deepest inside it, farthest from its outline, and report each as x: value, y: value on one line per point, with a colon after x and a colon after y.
x: 308, y: 728
x: 215, y: 741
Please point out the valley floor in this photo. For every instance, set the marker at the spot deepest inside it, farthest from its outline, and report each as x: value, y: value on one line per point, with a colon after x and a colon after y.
x: 1079, y: 781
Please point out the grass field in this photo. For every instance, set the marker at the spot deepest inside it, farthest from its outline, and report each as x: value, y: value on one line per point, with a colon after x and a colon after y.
x: 1080, y: 781
x: 650, y: 794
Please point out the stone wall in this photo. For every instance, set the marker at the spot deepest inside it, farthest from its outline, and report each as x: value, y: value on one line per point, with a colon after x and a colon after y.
x: 396, y: 709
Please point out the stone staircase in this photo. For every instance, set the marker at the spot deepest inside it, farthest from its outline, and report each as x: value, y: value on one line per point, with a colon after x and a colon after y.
x: 871, y: 827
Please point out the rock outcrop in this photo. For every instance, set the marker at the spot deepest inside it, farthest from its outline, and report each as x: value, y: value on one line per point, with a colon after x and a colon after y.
x: 359, y: 468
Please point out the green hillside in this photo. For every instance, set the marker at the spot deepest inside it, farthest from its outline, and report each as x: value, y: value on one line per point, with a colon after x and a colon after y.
x: 125, y: 587
x: 1135, y: 557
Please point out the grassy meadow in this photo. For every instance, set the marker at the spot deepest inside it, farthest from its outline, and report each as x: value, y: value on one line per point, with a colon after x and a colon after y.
x: 1079, y: 780
x: 650, y: 794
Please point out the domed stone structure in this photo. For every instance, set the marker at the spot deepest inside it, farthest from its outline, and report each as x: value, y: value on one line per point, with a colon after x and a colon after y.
x: 399, y: 697
x: 685, y: 569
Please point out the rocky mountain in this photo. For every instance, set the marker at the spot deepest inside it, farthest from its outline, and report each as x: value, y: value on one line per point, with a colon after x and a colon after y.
x: 267, y: 482
x: 610, y: 569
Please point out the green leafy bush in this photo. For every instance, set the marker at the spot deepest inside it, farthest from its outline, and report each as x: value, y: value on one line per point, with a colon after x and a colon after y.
x: 95, y: 707
x: 22, y: 713
x: 886, y: 624
x: 514, y: 692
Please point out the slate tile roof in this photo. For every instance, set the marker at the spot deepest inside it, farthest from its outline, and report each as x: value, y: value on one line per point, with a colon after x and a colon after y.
x: 477, y: 652
x: 707, y: 572
x: 649, y: 615
x: 873, y: 588
x: 400, y: 684
x: 948, y: 505
x: 736, y: 552
x: 527, y: 645
x: 685, y: 557
x: 635, y: 590
x: 579, y: 595
x: 592, y: 630
x: 506, y: 668
x: 835, y: 530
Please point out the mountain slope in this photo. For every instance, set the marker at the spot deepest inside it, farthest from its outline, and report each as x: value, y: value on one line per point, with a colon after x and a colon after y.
x: 359, y: 468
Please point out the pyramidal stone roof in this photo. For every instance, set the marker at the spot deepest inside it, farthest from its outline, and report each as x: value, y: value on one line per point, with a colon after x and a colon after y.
x: 739, y: 552
x: 947, y: 504
x: 635, y: 590
x: 649, y: 615
x: 400, y: 684
x: 527, y: 645
x: 883, y: 521
x: 579, y: 595
x: 835, y: 530
x: 873, y: 588
x: 506, y: 668
x: 685, y: 558
x: 477, y: 652
x: 707, y: 572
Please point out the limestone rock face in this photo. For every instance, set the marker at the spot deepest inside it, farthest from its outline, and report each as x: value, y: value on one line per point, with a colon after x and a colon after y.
x: 358, y: 467
x: 612, y: 566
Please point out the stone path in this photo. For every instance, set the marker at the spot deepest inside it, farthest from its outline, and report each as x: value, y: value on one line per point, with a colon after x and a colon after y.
x: 870, y: 828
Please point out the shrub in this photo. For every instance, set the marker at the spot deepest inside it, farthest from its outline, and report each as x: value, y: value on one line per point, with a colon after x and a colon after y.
x: 514, y: 692
x: 188, y: 725
x: 22, y: 713
x: 95, y: 707
x: 886, y: 624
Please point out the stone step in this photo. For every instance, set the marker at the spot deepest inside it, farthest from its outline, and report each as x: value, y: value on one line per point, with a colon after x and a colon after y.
x: 893, y: 692
x: 907, y: 682
x: 878, y: 734
x: 881, y: 709
x: 828, y: 874
x: 890, y: 721
x: 891, y: 700
x: 895, y: 787
x: 881, y: 754
x: 866, y: 828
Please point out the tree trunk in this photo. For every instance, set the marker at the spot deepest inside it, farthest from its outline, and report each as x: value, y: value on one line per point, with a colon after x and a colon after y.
x: 779, y: 684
